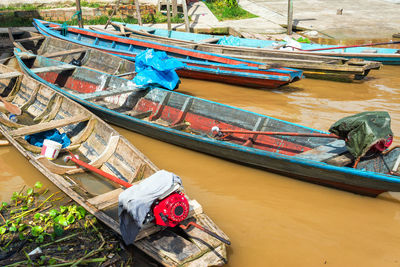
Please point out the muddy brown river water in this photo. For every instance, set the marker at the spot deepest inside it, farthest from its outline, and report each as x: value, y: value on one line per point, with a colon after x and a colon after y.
x: 273, y: 220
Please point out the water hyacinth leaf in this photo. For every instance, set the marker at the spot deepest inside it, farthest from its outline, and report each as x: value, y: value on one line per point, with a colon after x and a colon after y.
x: 12, y: 228
x: 61, y: 220
x: 58, y: 230
x: 63, y: 209
x: 18, y: 220
x: 38, y: 185
x: 37, y: 230
x: 14, y: 196
x: 71, y: 218
x: 82, y: 212
x: 52, y: 261
x: 40, y: 239
x: 2, y: 230
x: 22, y: 227
x: 24, y: 207
x: 53, y: 213
x: 38, y: 216
x: 21, y: 236
x: 29, y: 192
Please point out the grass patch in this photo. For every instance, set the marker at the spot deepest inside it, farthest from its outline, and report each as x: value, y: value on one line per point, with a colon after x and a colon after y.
x: 228, y: 9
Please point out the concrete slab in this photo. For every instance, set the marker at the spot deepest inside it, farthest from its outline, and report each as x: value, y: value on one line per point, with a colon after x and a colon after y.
x: 359, y: 19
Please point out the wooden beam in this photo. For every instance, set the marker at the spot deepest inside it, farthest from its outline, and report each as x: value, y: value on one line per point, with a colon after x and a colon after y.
x: 185, y: 16
x: 168, y: 16
x: 41, y: 127
x: 139, y: 17
x: 64, y: 53
x: 78, y: 9
x: 61, y: 67
x: 290, y: 17
x: 9, y: 75
x: 174, y: 8
x: 33, y: 38
x: 10, y: 35
x: 102, y: 94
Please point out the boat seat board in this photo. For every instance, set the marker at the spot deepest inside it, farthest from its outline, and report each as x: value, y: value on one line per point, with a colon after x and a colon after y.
x: 9, y: 75
x: 325, y: 152
x: 41, y: 127
x: 106, y: 93
x: 33, y: 38
x: 61, y: 67
x: 65, y: 52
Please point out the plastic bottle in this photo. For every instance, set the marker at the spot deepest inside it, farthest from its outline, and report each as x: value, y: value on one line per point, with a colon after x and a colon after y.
x: 13, y: 118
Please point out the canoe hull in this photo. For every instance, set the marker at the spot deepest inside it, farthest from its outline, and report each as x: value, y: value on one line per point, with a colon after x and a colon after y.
x: 269, y: 78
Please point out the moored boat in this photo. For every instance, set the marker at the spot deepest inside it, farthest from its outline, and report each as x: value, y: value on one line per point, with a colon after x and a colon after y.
x: 198, y: 65
x: 314, y: 65
x: 390, y: 56
x: 106, y: 154
x: 249, y: 138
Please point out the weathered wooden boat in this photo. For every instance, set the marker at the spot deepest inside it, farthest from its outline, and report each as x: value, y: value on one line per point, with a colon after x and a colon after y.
x: 189, y: 121
x: 313, y: 65
x: 104, y: 148
x: 199, y: 65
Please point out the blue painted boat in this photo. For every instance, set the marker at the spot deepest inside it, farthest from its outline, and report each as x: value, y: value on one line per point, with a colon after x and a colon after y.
x: 196, y: 123
x: 199, y: 65
x: 266, y: 48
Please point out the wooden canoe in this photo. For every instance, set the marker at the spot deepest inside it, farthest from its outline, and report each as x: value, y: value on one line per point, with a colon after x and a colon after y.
x: 100, y: 145
x: 321, y: 65
x: 188, y: 121
x: 199, y: 65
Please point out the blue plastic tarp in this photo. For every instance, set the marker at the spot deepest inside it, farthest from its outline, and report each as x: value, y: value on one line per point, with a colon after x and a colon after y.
x: 54, y: 135
x: 230, y: 40
x: 157, y: 68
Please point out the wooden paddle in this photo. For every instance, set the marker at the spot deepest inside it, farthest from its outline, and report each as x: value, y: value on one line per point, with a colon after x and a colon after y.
x: 348, y: 46
x: 11, y: 107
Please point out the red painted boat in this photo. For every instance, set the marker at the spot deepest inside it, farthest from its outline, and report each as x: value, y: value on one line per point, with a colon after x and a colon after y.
x: 199, y: 65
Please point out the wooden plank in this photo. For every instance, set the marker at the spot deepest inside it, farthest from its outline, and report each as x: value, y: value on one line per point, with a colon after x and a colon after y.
x: 106, y: 200
x: 9, y: 75
x: 209, y: 40
x: 4, y: 142
x: 33, y: 38
x: 106, y: 93
x: 64, y: 53
x: 108, y: 151
x: 110, y: 32
x: 61, y: 67
x: 26, y: 55
x: 125, y: 74
x: 138, y: 115
x: 325, y: 152
x: 41, y: 127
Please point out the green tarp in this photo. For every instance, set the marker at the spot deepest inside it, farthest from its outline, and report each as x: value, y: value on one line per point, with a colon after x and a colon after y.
x: 363, y: 130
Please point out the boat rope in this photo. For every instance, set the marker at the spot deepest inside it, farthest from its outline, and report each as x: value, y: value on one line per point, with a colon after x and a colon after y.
x: 64, y: 26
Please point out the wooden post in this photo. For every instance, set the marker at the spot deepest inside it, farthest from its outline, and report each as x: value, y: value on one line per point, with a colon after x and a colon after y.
x: 169, y: 16
x: 78, y: 8
x: 185, y: 15
x: 138, y: 12
x: 112, y: 14
x: 174, y: 8
x: 290, y: 17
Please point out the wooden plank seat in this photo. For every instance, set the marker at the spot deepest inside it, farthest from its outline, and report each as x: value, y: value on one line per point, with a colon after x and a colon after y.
x: 9, y: 75
x: 334, y: 153
x: 27, y: 55
x: 64, y: 53
x: 41, y: 127
x: 138, y: 115
x: 106, y: 93
x: 33, y: 38
x: 61, y: 67
x: 125, y: 74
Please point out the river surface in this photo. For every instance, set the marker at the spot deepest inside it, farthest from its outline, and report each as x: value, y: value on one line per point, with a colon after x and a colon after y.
x: 273, y: 220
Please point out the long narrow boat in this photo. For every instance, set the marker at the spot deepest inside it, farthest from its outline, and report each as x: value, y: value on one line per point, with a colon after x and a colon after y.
x: 199, y: 65
x: 189, y: 122
x: 247, y: 46
x: 313, y: 65
x: 101, y: 146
